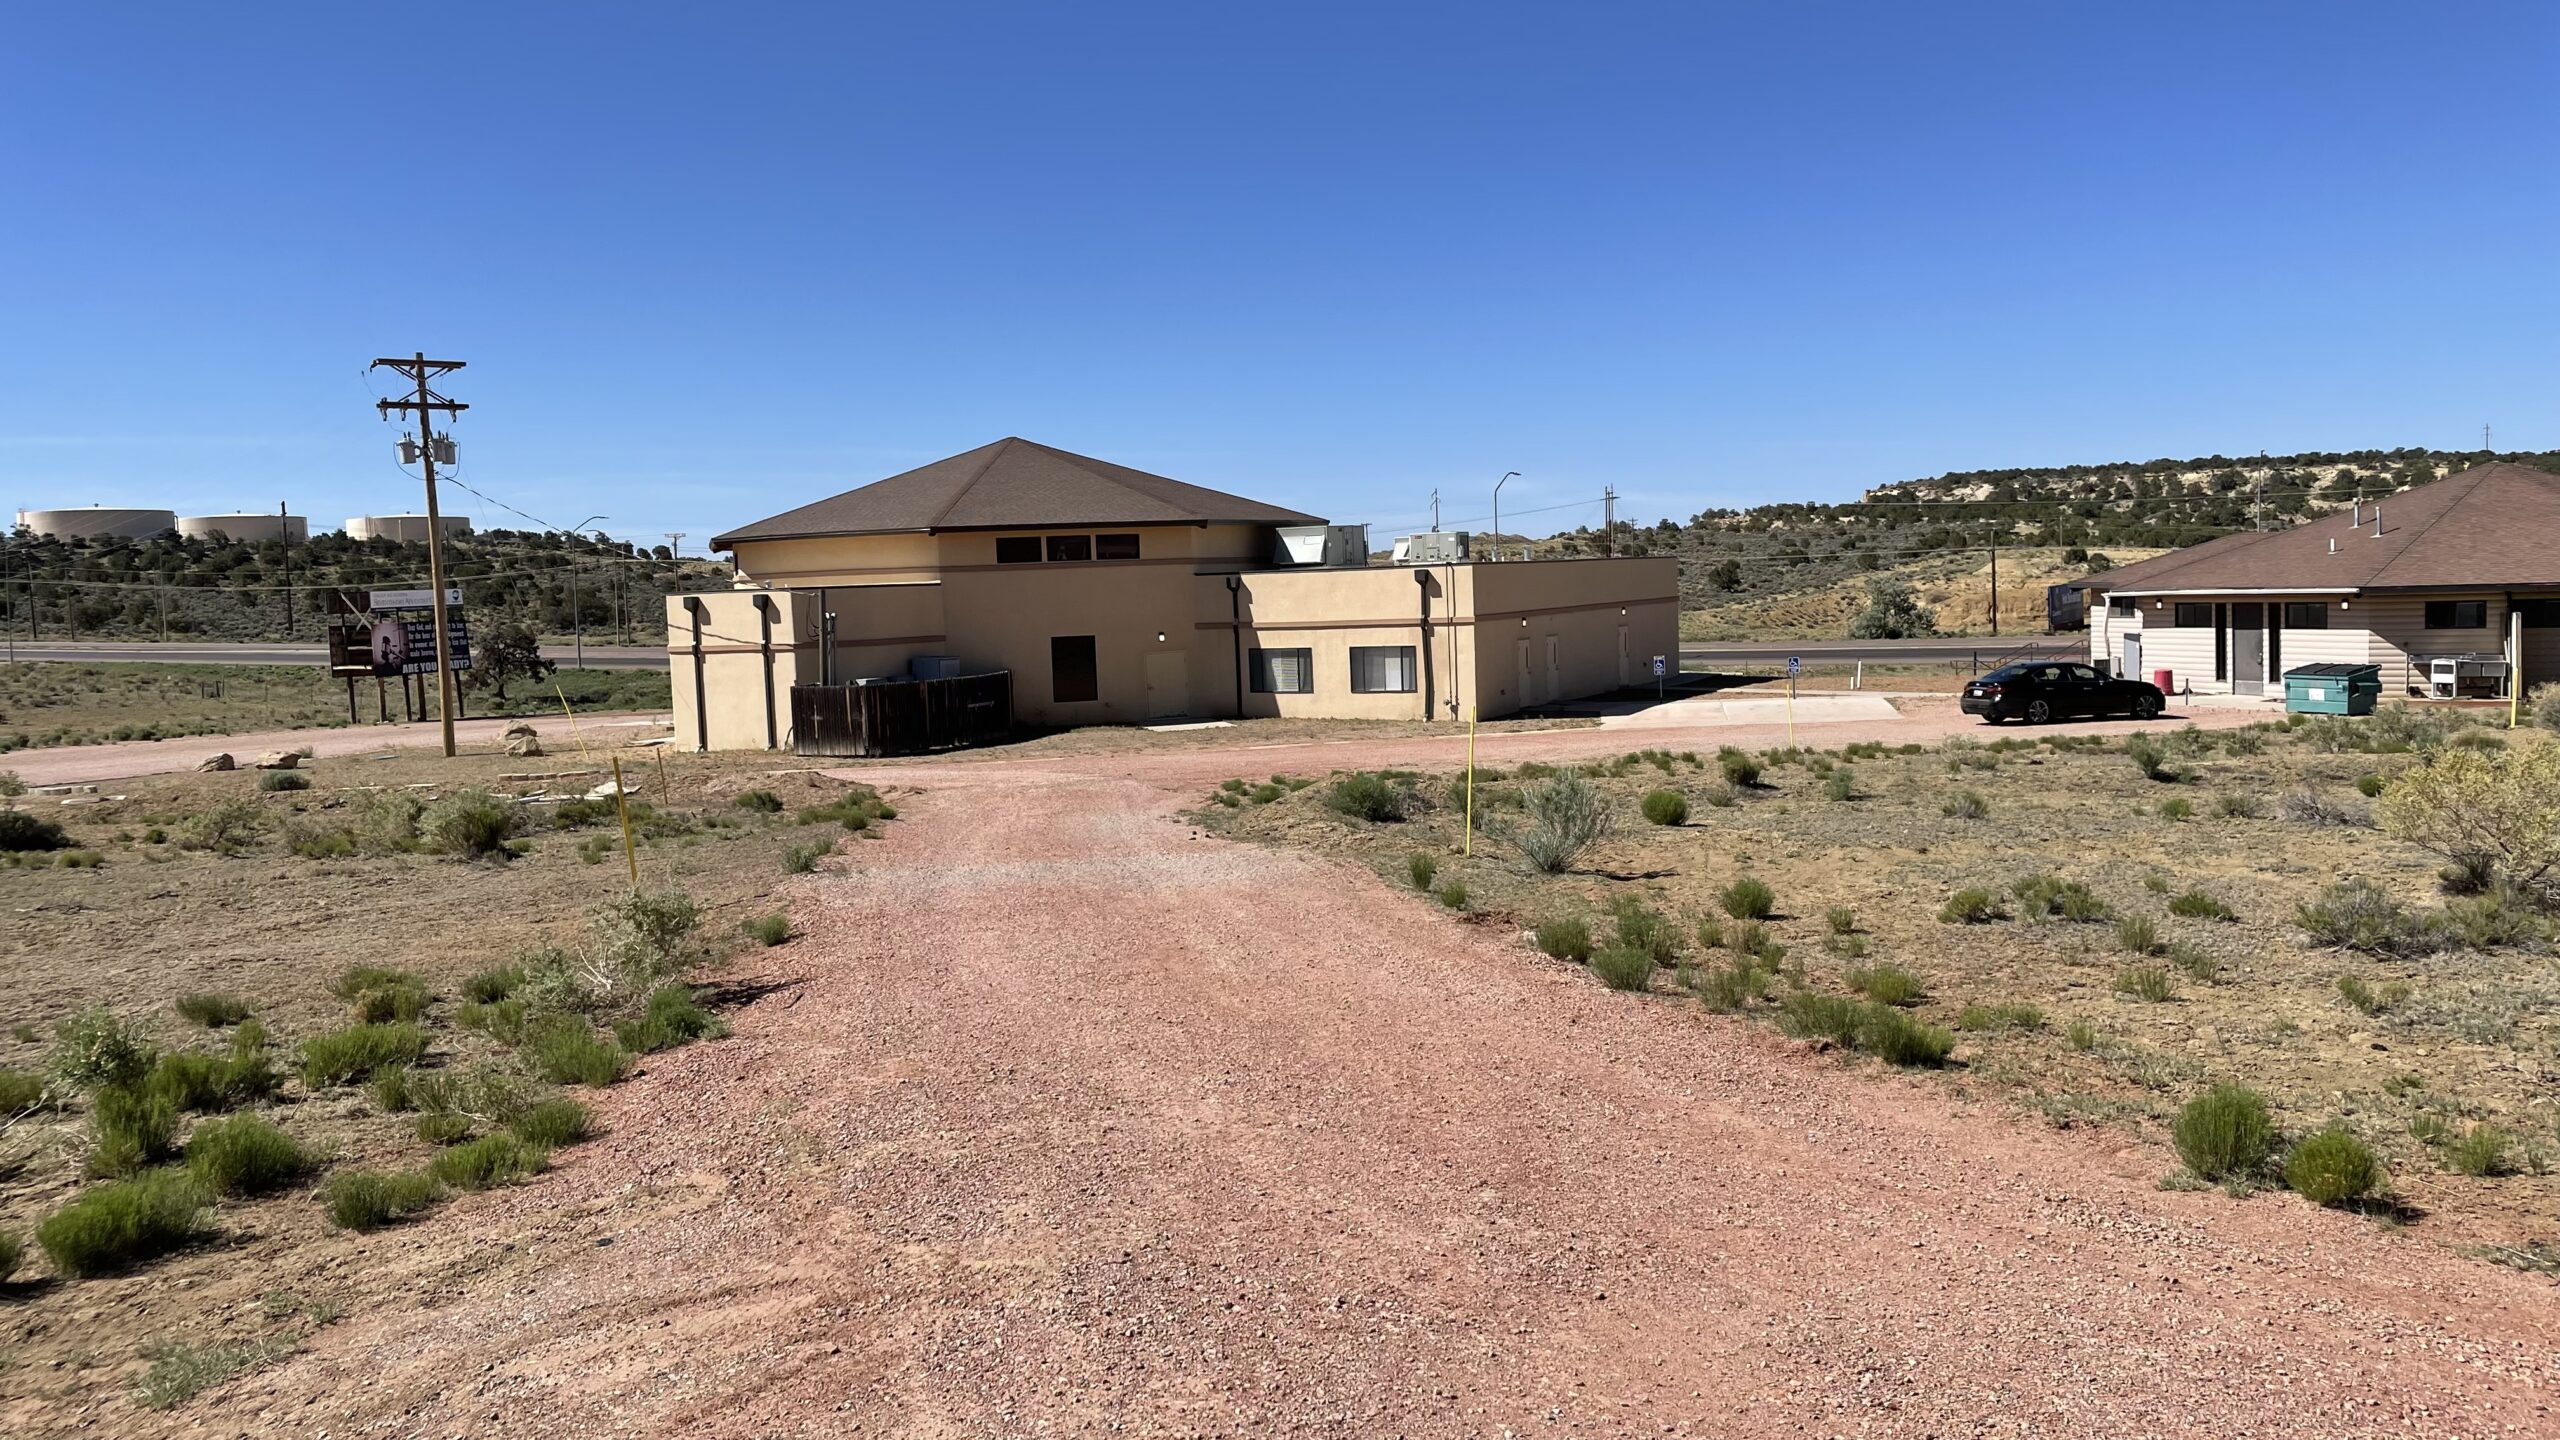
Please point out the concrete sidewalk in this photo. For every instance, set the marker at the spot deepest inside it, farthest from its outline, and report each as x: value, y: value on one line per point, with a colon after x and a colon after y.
x: 1752, y: 710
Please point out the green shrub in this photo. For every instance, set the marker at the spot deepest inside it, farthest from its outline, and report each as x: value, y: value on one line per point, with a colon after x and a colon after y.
x: 550, y: 1124
x: 20, y: 831
x: 1565, y: 939
x: 1972, y: 905
x: 567, y: 1051
x: 2138, y: 935
x: 226, y: 828
x: 1420, y: 868
x: 2178, y: 808
x: 2369, y: 786
x: 12, y: 1251
x: 130, y: 1130
x: 386, y: 822
x: 2145, y: 982
x: 2497, y: 918
x: 2148, y: 756
x: 357, y: 980
x: 496, y: 983
x: 191, y: 1080
x: 1965, y: 805
x: 1452, y: 894
x: 1841, y: 919
x: 1812, y: 1015
x: 179, y: 1373
x: 274, y: 780
x: 1991, y: 1019
x: 1886, y: 984
x: 500, y: 1020
x: 403, y: 1002
x: 2332, y: 1168
x: 20, y: 1093
x: 1739, y: 770
x: 1750, y: 937
x: 1719, y: 796
x: 1666, y: 807
x: 2197, y: 905
x: 2360, y: 915
x: 1727, y: 988
x: 672, y: 1018
x: 761, y: 802
x: 2482, y: 1151
x: 1264, y: 794
x: 1748, y: 899
x: 1899, y: 1039
x: 2043, y: 896
x: 2238, y: 807
x: 1622, y: 966
x: 92, y: 1047
x: 213, y: 1011
x: 339, y: 1056
x: 245, y: 1155
x: 80, y: 860
x: 769, y: 930
x: 1567, y: 815
x: 486, y: 1163
x: 473, y: 824
x: 115, y: 1227
x: 2368, y: 1000
x: 1840, y: 785
x: 2197, y: 964
x: 368, y: 1199
x: 2081, y: 1035
x: 802, y: 859
x: 646, y: 932
x: 1641, y: 927
x: 2223, y: 1133
x: 1364, y: 795
x: 443, y: 1127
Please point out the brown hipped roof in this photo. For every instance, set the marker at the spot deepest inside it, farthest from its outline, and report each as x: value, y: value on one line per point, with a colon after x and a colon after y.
x: 1013, y: 485
x: 2489, y: 527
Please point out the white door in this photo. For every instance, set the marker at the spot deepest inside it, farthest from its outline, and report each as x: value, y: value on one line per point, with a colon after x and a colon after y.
x: 2132, y: 658
x: 1555, y: 672
x: 1626, y: 668
x: 1528, y: 687
x: 1168, y: 683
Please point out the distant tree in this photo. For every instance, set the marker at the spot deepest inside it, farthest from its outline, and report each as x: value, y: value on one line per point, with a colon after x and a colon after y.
x: 2099, y: 562
x: 1892, y: 613
x: 1725, y: 575
x: 2076, y: 555
x: 509, y: 652
x: 1869, y: 560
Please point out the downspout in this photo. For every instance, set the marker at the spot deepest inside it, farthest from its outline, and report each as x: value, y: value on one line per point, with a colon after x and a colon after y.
x: 701, y: 700
x: 772, y: 727
x: 1422, y: 586
x: 1235, y: 634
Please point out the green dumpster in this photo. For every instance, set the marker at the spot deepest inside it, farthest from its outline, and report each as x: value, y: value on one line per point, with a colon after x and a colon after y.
x: 2335, y: 689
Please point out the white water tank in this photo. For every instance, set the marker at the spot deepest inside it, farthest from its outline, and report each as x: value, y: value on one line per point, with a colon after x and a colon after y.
x: 403, y: 528
x: 98, y: 522
x: 252, y: 527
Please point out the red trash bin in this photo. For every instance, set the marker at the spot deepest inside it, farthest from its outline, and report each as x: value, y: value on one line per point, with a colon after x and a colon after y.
x: 2166, y: 681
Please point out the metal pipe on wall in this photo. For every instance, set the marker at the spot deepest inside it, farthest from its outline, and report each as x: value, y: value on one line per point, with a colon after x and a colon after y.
x: 701, y: 697
x: 1422, y: 584
x: 772, y: 726
x: 1235, y: 633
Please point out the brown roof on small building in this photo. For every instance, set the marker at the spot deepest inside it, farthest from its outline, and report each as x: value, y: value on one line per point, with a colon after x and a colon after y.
x: 2489, y: 527
x: 1013, y: 484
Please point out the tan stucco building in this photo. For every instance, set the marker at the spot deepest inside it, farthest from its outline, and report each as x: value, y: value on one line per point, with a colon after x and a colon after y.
x: 1114, y: 596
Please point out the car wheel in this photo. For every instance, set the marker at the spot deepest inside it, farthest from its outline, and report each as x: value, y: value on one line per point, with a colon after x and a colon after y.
x: 2146, y: 707
x: 2038, y: 712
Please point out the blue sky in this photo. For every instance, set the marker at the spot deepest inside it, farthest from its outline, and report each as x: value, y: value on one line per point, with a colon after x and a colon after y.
x: 710, y: 262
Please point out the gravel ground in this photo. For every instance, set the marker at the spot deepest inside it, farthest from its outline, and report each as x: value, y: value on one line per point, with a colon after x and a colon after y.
x: 124, y: 759
x: 1064, y: 1119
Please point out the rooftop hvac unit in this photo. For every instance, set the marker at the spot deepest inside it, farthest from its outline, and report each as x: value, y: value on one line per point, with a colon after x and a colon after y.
x: 1336, y: 545
x: 1433, y: 547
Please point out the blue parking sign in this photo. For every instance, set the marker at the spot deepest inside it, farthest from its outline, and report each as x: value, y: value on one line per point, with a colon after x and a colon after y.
x: 1795, y: 665
x: 1657, y: 666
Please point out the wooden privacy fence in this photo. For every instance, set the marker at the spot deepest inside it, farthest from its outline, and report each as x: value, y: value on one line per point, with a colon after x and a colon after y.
x: 901, y: 717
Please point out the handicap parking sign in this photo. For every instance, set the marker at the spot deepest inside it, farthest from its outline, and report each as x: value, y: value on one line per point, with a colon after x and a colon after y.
x: 1657, y: 666
x: 1795, y: 665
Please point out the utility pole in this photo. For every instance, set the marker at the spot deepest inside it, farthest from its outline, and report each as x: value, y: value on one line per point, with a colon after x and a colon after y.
x: 1995, y: 579
x: 2484, y: 439
x: 284, y: 534
x: 428, y: 404
x: 675, y: 543
x: 1609, y: 521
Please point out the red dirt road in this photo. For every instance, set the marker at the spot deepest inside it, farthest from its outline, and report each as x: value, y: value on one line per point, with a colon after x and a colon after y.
x: 1068, y: 1120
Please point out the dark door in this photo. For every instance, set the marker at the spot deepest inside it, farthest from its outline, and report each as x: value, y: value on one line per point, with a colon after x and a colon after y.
x: 1072, y: 673
x: 2248, y: 649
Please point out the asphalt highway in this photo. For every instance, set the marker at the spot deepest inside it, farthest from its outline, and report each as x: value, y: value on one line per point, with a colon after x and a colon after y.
x: 201, y: 652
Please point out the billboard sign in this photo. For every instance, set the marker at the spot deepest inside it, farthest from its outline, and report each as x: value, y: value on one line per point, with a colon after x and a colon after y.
x: 395, y: 634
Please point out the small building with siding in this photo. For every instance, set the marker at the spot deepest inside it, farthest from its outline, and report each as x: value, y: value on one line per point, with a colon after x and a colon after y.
x: 1114, y: 596
x: 2459, y: 577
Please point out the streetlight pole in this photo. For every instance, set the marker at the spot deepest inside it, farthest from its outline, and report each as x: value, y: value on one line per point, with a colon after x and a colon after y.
x: 1507, y: 477
x: 577, y: 620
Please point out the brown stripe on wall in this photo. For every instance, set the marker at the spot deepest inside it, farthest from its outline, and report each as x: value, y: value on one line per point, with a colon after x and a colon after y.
x: 1026, y: 567
x: 1492, y: 615
x: 1407, y: 623
x: 779, y: 648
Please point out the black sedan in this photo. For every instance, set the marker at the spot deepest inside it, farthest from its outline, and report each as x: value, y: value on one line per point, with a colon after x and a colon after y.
x: 2055, y: 690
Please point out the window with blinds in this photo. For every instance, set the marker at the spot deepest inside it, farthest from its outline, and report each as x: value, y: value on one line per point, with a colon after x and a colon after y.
x: 1382, y: 669
x: 1282, y: 672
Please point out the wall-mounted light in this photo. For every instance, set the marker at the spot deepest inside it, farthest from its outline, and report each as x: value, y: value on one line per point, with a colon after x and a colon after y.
x: 2159, y: 604
x: 1622, y: 609
x: 2342, y: 604
x: 1524, y: 622
x: 1159, y: 637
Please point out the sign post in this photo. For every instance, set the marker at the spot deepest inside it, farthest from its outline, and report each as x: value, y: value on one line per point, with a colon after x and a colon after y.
x: 1469, y: 845
x: 1659, y: 666
x: 1795, y: 666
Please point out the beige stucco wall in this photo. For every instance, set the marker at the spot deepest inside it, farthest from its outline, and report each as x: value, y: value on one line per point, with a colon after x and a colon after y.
x: 1589, y: 625
x: 731, y: 665
x: 1328, y: 612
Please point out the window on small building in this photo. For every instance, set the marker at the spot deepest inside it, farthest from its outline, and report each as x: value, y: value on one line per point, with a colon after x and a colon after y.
x: 1115, y: 547
x: 1382, y: 669
x: 1282, y: 672
x: 2189, y: 614
x: 1017, y: 549
x: 2306, y: 614
x: 2539, y: 614
x: 2457, y: 614
x: 1070, y: 547
x: 1072, y: 674
x: 2119, y: 604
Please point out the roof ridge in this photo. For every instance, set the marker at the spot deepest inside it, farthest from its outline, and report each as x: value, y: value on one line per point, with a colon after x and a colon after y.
x: 2476, y: 476
x: 961, y: 491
